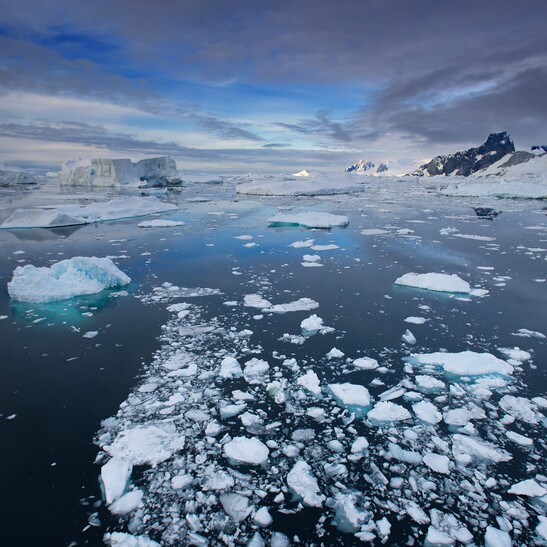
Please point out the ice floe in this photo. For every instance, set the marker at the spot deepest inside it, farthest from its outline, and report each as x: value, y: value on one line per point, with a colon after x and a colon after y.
x: 435, y: 282
x: 309, y: 220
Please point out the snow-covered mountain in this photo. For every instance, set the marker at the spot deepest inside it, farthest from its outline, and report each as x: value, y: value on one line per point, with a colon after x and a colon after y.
x: 368, y: 167
x: 496, y: 157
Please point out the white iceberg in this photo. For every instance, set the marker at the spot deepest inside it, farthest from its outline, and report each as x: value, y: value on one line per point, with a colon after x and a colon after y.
x: 309, y: 220
x: 435, y: 282
x: 65, y: 279
x: 55, y: 216
x: 160, y: 171
x: 14, y: 177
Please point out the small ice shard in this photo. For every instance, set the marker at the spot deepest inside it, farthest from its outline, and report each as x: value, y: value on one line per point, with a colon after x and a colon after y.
x: 309, y: 220
x: 351, y: 394
x: 127, y: 503
x: 262, y: 517
x: 160, y: 223
x: 435, y: 282
x: 465, y: 363
x: 236, y: 506
x: 245, y: 450
x: 494, y: 537
x: 437, y: 462
x: 335, y: 353
x: 146, y: 445
x: 408, y: 337
x: 302, y: 244
x: 310, y: 381
x: 121, y: 539
x: 230, y: 368
x: 302, y: 482
x: 386, y: 411
x: 114, y: 475
x: 528, y: 487
x: 90, y: 334
x: 217, y: 479
x: 416, y: 320
x: 65, y: 279
x: 365, y: 363
x: 525, y: 333
x: 427, y: 412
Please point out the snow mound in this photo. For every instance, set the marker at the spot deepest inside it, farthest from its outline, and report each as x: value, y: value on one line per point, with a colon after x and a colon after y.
x: 65, y: 279
x: 309, y: 220
x: 435, y: 282
x: 146, y: 445
x: 160, y: 171
x: 465, y: 363
x: 72, y: 215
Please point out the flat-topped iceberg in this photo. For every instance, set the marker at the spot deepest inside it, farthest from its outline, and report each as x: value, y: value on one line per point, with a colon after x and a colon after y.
x: 65, y: 279
x: 13, y: 176
x: 160, y: 171
x: 465, y: 363
x: 71, y: 215
x: 435, y: 282
x: 309, y: 219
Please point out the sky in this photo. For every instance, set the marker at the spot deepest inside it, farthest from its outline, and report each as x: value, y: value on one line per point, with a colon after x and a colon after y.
x: 264, y: 85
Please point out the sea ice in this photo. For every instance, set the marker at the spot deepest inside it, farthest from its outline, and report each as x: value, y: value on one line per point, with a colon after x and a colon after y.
x: 416, y: 320
x: 256, y: 301
x: 245, y: 450
x: 114, y: 475
x: 365, y: 363
x: 351, y: 394
x: 521, y: 408
x: 465, y: 363
x: 146, y: 445
x: 386, y: 411
x: 435, y: 282
x: 127, y: 503
x: 408, y: 337
x: 160, y: 223
x: 465, y: 448
x: 230, y: 368
x: 120, y: 539
x: 302, y: 304
x: 309, y: 220
x: 528, y: 487
x: 303, y: 483
x: 494, y: 537
x: 310, y: 381
x: 236, y: 506
x: 65, y: 279
x: 437, y: 462
x: 427, y: 412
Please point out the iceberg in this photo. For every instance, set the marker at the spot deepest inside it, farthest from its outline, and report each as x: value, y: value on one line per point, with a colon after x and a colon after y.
x: 71, y: 215
x: 14, y: 177
x: 435, y: 282
x: 309, y: 219
x: 161, y: 171
x: 65, y: 279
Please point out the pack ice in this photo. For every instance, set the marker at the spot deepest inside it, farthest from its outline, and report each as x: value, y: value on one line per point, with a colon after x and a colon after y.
x: 160, y: 171
x: 65, y: 279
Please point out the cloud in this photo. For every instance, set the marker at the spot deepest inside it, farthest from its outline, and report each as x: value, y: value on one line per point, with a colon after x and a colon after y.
x: 320, y: 126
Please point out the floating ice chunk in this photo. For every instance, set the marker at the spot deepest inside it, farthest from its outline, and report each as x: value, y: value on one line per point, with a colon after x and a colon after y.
x: 458, y: 416
x: 246, y: 450
x: 525, y: 333
x: 351, y: 394
x: 335, y: 353
x: 310, y: 381
x: 146, y: 445
x: 437, y: 462
x: 309, y: 220
x: 374, y: 232
x: 435, y: 282
x: 90, y: 334
x: 365, y: 363
x: 427, y: 412
x: 384, y: 528
x: 127, y: 503
x: 160, y: 223
x: 408, y: 337
x: 311, y: 258
x: 302, y: 244
x: 359, y: 445
x: 519, y: 439
x: 465, y: 363
x: 279, y: 540
x: 302, y: 482
x: 448, y: 525
x: 516, y: 354
x: 236, y: 506
x: 495, y: 537
x: 262, y: 517
x: 65, y: 279
x: 466, y: 448
x: 256, y: 301
x: 217, y: 479
x: 349, y: 513
x: 415, y: 513
x: 230, y: 368
x: 436, y: 538
x: 386, y: 411
x: 521, y: 408
x: 180, y: 482
x: 407, y: 456
x: 256, y: 371
x: 528, y: 487
x: 229, y: 411
x: 329, y: 247
x: 302, y: 304
x: 312, y: 324
x: 541, y: 528
x: 114, y: 475
x: 416, y: 320
x: 120, y: 539
x: 71, y: 215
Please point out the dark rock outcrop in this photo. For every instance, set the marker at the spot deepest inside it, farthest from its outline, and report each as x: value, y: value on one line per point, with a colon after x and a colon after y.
x: 540, y: 147
x: 360, y: 167
x: 470, y: 161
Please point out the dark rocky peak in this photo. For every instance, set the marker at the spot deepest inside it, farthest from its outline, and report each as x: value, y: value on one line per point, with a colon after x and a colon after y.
x: 540, y: 147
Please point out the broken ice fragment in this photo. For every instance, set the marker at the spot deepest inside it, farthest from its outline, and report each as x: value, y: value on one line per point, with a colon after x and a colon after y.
x: 114, y: 475
x: 302, y: 482
x: 245, y: 450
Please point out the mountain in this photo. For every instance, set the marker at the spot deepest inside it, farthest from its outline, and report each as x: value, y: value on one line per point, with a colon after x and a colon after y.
x: 465, y: 163
x: 367, y: 167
